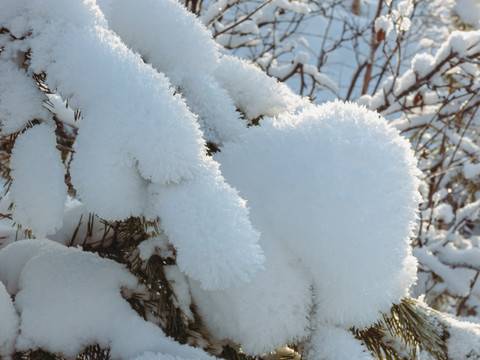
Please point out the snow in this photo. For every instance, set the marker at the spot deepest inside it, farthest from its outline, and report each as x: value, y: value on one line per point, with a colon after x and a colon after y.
x: 253, y: 92
x: 217, y: 115
x: 404, y: 24
x: 131, y: 144
x: 9, y: 329
x: 334, y: 343
x: 61, y: 286
x: 331, y: 190
x: 179, y: 284
x: 148, y: 355
x: 114, y: 114
x: 62, y: 111
x: 471, y: 171
x: 401, y: 15
x: 422, y: 64
x: 77, y: 220
x: 469, y: 12
x: 207, y: 222
x: 265, y: 314
x: 14, y: 257
x: 305, y: 177
x: 38, y: 189
x: 383, y: 23
x: 405, y: 7
x: 157, y: 244
x: 454, y: 282
x: 141, y: 25
x: 464, y: 340
x: 294, y: 6
x: 322, y: 79
x: 20, y: 100
x: 187, y: 57
x: 444, y: 212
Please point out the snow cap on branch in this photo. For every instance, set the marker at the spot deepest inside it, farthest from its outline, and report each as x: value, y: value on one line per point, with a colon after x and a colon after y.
x: 337, y: 186
x: 270, y: 311
x: 38, y: 188
x: 137, y: 135
x: 20, y: 99
x: 188, y: 56
x: 254, y: 92
x: 208, y: 224
x: 69, y: 299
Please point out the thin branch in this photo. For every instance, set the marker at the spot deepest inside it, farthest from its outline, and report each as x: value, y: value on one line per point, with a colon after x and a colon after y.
x: 244, y: 19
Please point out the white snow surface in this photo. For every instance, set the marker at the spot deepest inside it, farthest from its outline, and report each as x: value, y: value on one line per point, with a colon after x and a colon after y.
x: 217, y: 114
x: 469, y: 12
x: 149, y: 355
x: 60, y: 286
x: 20, y: 100
x: 142, y: 24
x: 333, y: 343
x: 332, y: 189
x: 14, y: 257
x: 337, y: 186
x: 383, y: 23
x: 137, y: 135
x: 444, y: 212
x: 77, y: 220
x: 464, y: 340
x: 10, y: 324
x: 208, y: 224
x: 155, y: 245
x: 105, y: 144
x: 253, y: 91
x: 179, y: 284
x: 38, y: 189
x: 268, y: 312
x: 471, y: 171
x: 187, y: 56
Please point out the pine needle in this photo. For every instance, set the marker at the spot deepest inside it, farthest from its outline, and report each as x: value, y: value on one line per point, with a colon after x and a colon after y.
x: 414, y: 326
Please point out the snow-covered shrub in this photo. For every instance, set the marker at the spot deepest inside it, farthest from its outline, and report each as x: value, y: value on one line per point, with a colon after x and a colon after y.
x: 141, y: 234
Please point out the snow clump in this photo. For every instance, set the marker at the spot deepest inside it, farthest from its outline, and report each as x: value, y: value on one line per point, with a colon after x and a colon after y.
x: 60, y: 286
x: 38, y: 188
x: 333, y: 192
x: 132, y: 144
